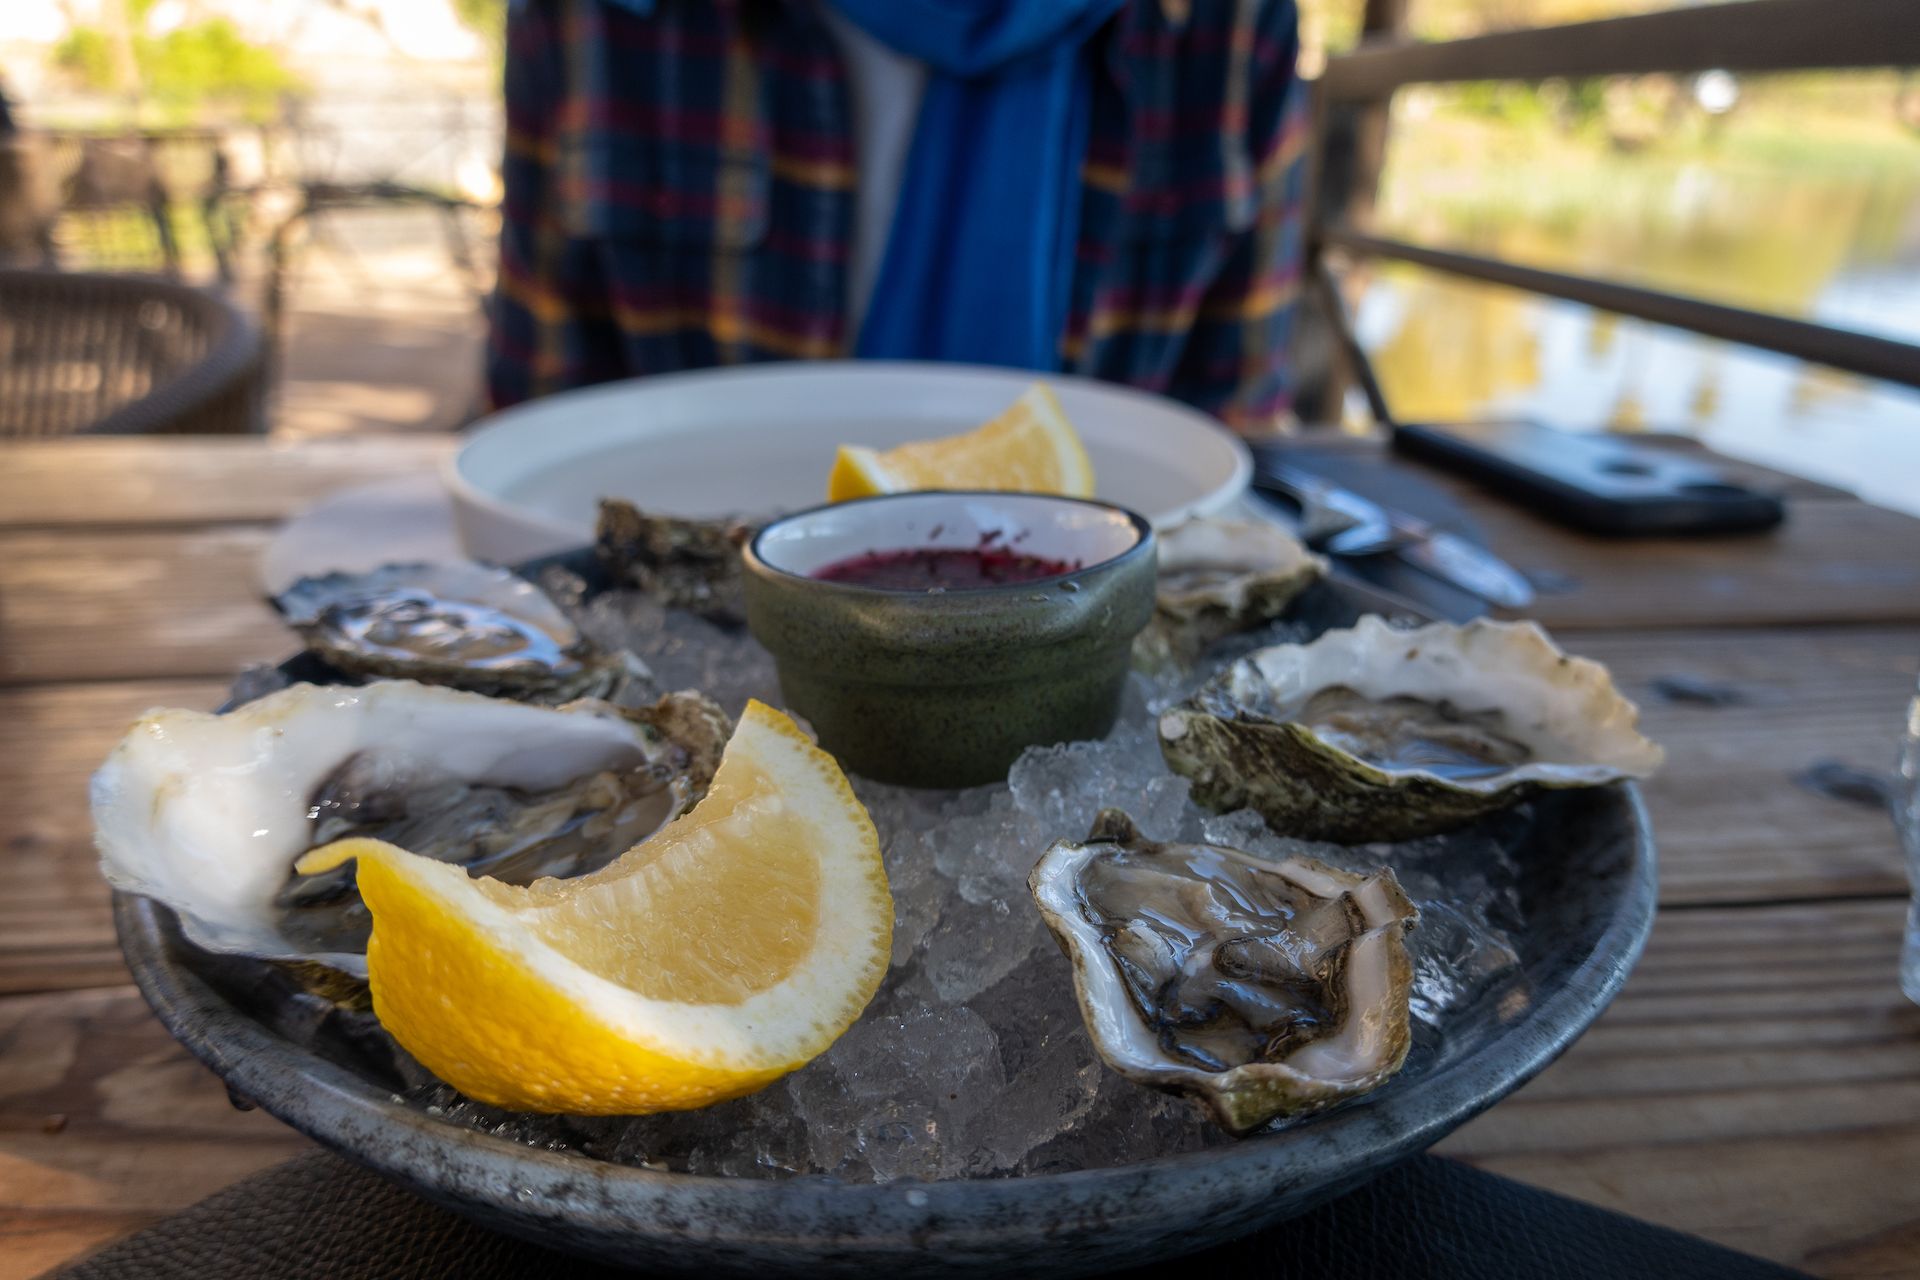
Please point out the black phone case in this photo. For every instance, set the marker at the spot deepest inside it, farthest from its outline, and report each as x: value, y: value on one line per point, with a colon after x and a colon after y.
x: 1594, y: 483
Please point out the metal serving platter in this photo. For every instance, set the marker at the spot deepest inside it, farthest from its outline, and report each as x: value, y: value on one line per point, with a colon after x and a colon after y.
x: 1586, y: 894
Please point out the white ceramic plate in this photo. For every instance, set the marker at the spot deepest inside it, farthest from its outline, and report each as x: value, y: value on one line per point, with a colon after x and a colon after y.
x: 398, y: 520
x: 759, y: 440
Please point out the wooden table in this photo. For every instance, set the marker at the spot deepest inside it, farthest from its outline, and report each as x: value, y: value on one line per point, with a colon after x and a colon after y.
x: 1758, y: 1082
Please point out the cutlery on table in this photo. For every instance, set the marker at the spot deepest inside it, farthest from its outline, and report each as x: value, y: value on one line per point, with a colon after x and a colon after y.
x: 1340, y: 522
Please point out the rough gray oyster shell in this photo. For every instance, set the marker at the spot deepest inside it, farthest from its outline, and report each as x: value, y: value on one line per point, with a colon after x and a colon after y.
x: 1218, y: 577
x: 1374, y: 733
x: 1260, y: 988
x: 685, y: 564
x: 460, y: 624
x: 208, y: 813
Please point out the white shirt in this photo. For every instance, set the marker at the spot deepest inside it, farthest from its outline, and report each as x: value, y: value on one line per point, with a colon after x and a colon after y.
x: 886, y: 87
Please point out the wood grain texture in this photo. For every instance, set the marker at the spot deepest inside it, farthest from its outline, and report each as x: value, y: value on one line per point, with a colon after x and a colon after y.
x: 1732, y: 822
x: 134, y: 605
x: 1831, y: 562
x: 55, y: 930
x: 1758, y: 1083
x: 106, y: 1123
x: 1836, y: 560
x: 83, y: 483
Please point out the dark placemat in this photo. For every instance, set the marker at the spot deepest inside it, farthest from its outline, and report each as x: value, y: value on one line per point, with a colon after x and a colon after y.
x: 1429, y: 1219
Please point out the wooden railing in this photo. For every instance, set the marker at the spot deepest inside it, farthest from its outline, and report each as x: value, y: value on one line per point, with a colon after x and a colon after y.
x: 1750, y: 36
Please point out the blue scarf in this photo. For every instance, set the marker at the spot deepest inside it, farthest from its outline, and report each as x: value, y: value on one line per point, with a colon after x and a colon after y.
x: 979, y: 260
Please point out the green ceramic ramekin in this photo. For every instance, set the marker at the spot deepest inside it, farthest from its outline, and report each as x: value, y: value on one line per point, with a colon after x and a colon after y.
x: 945, y: 689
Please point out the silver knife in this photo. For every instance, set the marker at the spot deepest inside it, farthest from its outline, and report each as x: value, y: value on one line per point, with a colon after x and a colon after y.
x: 1443, y: 555
x: 1452, y: 558
x: 1328, y: 511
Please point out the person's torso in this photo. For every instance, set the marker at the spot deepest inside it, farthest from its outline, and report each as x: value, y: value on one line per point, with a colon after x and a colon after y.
x: 713, y: 147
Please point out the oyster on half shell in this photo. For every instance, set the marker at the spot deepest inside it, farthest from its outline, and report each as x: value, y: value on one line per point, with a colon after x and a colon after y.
x: 1374, y: 733
x: 1222, y: 576
x: 208, y: 813
x: 1260, y: 988
x: 462, y: 624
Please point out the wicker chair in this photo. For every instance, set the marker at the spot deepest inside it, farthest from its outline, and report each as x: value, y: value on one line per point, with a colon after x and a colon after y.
x: 122, y: 355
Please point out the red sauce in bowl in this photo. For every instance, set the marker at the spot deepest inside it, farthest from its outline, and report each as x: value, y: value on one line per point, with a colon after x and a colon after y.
x: 941, y: 569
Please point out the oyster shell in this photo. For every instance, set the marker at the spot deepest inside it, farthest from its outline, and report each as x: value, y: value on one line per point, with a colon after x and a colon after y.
x: 686, y: 564
x: 1260, y: 988
x: 1222, y: 576
x: 1373, y: 733
x: 208, y: 813
x: 467, y: 625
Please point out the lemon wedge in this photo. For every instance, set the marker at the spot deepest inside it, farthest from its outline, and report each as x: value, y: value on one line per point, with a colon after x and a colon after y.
x: 730, y: 948
x: 1031, y: 447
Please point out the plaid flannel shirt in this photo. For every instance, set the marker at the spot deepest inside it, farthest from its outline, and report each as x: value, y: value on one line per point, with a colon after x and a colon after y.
x: 680, y: 193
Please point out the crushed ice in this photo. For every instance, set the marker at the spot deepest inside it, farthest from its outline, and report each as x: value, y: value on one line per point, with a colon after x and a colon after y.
x: 972, y: 1060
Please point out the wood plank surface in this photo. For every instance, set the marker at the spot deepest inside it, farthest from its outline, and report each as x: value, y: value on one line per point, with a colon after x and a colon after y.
x: 55, y: 930
x: 134, y: 605
x: 1835, y: 560
x: 106, y: 1124
x: 1758, y: 1083
x: 204, y: 480
x: 1831, y: 562
x: 1733, y: 820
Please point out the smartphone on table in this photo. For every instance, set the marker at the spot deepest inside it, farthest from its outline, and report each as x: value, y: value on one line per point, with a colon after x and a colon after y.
x: 1596, y: 483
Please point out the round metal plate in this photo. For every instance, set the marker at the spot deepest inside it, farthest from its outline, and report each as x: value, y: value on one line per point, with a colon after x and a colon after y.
x: 1586, y: 892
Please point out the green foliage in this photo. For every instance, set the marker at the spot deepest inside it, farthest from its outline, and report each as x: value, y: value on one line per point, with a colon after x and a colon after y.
x: 196, y: 69
x: 210, y: 60
x: 1503, y: 100
x: 1570, y: 106
x: 487, y: 19
x: 1577, y: 104
x: 86, y: 54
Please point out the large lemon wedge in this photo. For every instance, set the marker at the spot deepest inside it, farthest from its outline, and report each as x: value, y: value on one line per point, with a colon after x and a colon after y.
x: 1031, y: 447
x: 727, y: 950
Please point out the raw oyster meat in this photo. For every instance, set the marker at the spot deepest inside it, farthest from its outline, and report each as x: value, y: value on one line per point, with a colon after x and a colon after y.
x: 467, y: 625
x: 1222, y: 576
x: 208, y: 813
x: 685, y: 564
x: 1374, y: 733
x: 1260, y: 988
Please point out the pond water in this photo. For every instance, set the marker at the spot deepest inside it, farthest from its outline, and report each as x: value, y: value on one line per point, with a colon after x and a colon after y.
x: 1828, y: 232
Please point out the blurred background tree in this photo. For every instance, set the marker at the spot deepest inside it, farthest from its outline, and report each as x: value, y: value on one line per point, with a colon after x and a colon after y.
x: 171, y: 68
x: 486, y: 19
